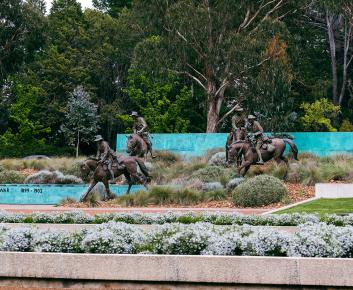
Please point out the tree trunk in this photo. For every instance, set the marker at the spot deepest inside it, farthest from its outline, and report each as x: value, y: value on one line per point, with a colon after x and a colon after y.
x: 215, y: 101
x: 212, y: 117
x: 78, y: 143
x: 347, y: 40
x: 331, y: 36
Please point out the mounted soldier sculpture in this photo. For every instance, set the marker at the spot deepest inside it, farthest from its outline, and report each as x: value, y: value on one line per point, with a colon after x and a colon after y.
x: 108, y: 165
x: 105, y: 155
x: 257, y: 136
x: 238, y: 132
x: 139, y: 144
x: 256, y: 147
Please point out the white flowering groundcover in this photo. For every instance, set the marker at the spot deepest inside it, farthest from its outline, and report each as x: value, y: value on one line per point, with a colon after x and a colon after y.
x: 312, y: 240
x: 79, y: 217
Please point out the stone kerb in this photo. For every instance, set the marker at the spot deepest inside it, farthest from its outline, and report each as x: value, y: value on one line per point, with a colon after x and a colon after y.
x: 168, y: 268
x: 333, y: 190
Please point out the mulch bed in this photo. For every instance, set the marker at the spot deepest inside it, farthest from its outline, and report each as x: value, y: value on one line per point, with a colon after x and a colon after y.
x: 296, y: 193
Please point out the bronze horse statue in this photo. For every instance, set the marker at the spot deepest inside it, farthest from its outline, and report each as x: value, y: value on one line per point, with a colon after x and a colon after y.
x: 136, y: 146
x: 273, y: 150
x: 123, y: 165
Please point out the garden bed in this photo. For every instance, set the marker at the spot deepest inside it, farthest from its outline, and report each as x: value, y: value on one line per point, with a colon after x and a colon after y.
x: 79, y: 217
x: 309, y: 240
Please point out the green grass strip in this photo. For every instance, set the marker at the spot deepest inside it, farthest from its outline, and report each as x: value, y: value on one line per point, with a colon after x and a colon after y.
x: 323, y: 206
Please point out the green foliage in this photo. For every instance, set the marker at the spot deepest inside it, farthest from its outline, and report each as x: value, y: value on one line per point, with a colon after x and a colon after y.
x: 258, y: 191
x: 160, y: 102
x: 318, y: 115
x: 346, y: 126
x: 113, y: 7
x: 21, y: 34
x: 26, y: 133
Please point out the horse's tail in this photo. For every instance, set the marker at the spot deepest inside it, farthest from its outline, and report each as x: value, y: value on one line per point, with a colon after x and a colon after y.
x: 143, y: 167
x: 293, y: 147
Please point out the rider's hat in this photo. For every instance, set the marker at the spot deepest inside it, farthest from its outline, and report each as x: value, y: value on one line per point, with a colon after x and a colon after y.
x: 251, y: 117
x: 98, y: 138
x: 134, y: 114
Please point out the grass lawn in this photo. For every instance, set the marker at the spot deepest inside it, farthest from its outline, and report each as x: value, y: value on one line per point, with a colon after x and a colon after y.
x: 323, y: 206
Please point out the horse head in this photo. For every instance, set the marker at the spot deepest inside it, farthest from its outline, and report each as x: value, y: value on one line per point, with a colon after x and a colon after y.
x: 87, y: 166
x: 131, y: 144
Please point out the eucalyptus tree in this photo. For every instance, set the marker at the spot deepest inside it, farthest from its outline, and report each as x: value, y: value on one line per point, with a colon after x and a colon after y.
x: 335, y: 17
x: 216, y: 44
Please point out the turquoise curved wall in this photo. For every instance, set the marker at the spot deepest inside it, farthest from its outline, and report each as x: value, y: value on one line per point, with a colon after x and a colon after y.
x: 49, y: 194
x: 196, y: 144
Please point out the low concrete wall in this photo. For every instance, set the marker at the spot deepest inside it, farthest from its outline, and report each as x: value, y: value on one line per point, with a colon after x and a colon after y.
x: 333, y: 190
x: 179, y: 269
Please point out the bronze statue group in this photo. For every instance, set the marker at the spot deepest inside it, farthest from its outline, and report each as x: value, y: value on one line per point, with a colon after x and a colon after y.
x: 246, y: 145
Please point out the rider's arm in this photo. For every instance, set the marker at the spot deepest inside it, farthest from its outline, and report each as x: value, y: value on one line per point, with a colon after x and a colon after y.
x: 104, y: 155
x: 143, y: 125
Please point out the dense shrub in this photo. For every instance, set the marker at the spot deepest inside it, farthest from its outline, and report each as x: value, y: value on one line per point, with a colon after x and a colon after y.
x: 209, y: 173
x: 218, y: 159
x: 52, y: 177
x: 11, y: 176
x: 233, y: 183
x: 260, y: 190
x: 210, y: 186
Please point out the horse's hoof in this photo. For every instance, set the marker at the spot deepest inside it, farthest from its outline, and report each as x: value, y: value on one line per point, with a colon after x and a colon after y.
x: 111, y: 196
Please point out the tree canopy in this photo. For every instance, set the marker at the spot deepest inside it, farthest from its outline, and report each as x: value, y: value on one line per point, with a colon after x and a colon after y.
x: 182, y: 64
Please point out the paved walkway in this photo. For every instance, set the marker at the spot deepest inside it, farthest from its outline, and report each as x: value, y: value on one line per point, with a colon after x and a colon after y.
x: 93, y: 211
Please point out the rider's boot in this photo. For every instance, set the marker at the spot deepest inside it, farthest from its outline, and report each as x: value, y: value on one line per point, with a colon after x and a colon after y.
x: 260, y: 162
x: 111, y: 180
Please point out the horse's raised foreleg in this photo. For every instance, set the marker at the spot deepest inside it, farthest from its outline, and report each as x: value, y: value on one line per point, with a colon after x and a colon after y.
x: 84, y: 196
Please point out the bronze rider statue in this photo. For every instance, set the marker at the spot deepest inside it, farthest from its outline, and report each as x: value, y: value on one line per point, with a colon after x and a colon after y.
x: 105, y: 155
x: 258, y: 135
x: 238, y: 132
x: 140, y: 128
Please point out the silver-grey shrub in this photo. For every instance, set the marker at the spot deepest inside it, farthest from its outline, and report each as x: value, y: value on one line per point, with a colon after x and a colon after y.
x: 312, y: 240
x: 113, y: 238
x: 317, y: 240
x: 57, y: 241
x: 217, y: 218
x: 266, y: 242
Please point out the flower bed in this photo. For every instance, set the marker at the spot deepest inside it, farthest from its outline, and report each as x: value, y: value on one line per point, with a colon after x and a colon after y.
x: 311, y: 240
x: 78, y: 217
